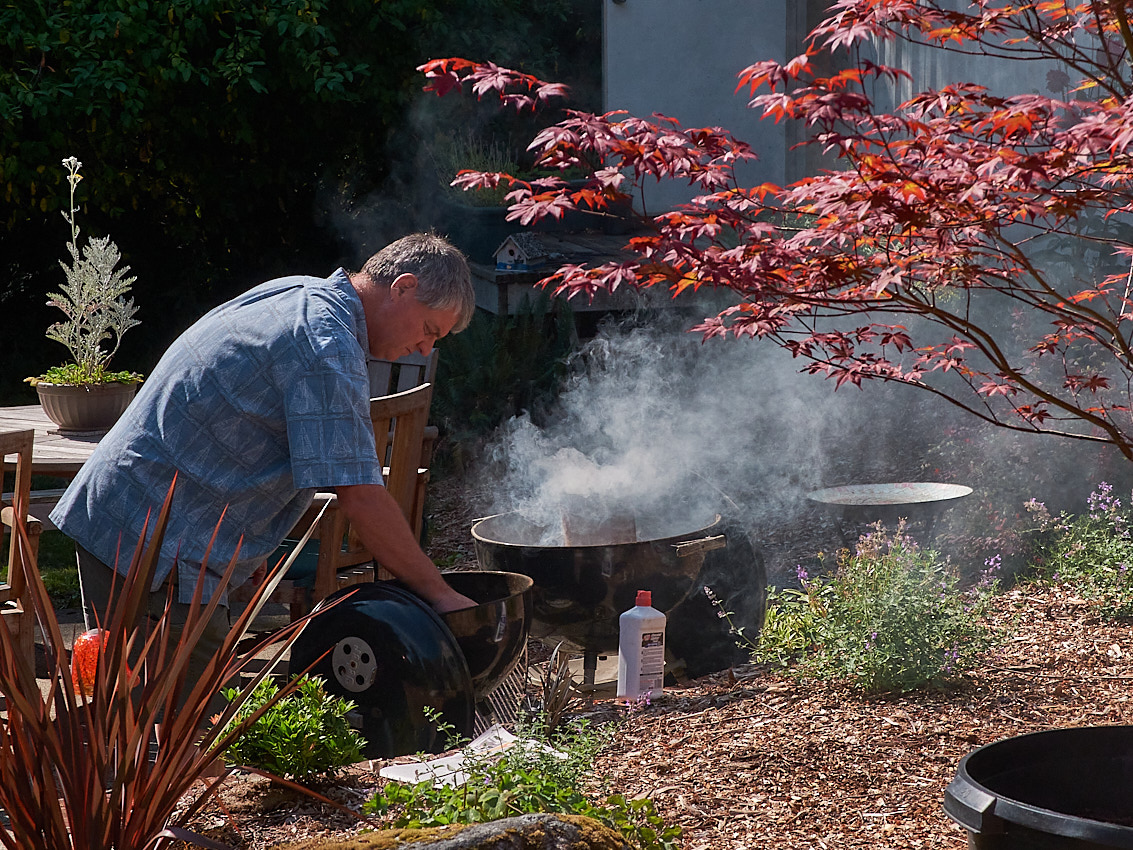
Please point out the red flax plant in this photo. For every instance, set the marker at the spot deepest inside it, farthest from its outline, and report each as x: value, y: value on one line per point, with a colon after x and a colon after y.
x: 972, y: 244
x: 78, y: 772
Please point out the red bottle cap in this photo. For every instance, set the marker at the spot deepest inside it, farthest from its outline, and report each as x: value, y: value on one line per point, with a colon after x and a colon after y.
x: 645, y: 598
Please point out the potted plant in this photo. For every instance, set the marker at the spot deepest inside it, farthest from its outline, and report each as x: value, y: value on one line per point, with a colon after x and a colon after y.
x: 476, y: 220
x: 83, y: 395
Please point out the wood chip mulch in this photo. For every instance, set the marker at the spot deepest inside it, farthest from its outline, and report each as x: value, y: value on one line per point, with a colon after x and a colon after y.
x: 750, y: 757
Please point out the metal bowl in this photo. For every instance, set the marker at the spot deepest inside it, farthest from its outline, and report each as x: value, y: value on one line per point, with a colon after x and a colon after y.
x: 492, y: 635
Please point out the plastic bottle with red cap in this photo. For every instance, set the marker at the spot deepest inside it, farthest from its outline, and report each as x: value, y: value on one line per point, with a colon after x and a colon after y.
x: 641, y: 651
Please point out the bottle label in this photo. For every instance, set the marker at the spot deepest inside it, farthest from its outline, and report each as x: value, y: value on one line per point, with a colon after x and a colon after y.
x: 652, y: 660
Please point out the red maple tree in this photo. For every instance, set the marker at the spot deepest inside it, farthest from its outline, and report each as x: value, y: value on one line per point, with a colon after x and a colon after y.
x: 971, y: 244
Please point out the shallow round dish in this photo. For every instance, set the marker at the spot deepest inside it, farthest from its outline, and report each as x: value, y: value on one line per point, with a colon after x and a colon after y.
x: 904, y: 493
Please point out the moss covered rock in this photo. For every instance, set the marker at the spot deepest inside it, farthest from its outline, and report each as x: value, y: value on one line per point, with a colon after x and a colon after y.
x: 525, y: 832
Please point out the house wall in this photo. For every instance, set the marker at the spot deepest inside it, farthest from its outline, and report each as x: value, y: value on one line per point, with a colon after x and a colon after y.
x: 681, y: 58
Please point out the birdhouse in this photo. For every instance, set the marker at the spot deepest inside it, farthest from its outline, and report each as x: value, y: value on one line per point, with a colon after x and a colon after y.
x: 521, y: 252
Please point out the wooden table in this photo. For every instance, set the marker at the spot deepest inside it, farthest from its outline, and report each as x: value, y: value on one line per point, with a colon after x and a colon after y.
x: 53, y: 453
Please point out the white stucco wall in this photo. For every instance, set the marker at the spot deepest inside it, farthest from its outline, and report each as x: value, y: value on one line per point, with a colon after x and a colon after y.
x: 681, y: 58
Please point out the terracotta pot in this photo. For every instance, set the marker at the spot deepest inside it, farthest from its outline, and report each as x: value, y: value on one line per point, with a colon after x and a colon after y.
x: 85, y: 407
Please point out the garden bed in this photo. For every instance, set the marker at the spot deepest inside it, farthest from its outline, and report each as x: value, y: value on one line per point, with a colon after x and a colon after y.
x: 749, y: 756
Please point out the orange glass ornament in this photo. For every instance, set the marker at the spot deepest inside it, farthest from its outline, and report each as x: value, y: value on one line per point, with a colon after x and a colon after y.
x: 84, y: 659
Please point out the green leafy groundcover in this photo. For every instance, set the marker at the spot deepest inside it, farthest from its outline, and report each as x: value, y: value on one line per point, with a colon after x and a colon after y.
x: 303, y: 736
x: 527, y: 778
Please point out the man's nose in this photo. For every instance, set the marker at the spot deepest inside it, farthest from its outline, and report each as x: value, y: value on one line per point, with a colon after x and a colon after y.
x: 425, y: 348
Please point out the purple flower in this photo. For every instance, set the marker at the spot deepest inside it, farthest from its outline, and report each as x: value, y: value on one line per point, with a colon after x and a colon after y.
x: 987, y: 578
x: 1102, y: 501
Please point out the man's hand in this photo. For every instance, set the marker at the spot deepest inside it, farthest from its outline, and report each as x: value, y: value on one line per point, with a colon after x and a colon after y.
x: 452, y: 601
x: 381, y: 526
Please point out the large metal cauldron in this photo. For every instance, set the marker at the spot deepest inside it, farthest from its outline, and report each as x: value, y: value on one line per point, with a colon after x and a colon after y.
x: 580, y: 591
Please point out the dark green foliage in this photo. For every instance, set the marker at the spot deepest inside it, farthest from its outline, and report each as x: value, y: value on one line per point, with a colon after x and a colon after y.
x: 499, y: 367
x: 228, y: 141
x: 168, y: 100
x: 58, y: 570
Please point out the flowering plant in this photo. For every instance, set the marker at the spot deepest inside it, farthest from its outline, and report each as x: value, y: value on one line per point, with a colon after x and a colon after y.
x: 1092, y: 553
x: 892, y: 617
x: 95, y: 303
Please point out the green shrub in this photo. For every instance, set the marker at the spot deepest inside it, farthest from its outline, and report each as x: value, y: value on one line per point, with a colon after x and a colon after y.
x: 526, y: 779
x: 1091, y: 552
x: 892, y: 617
x: 302, y: 737
x: 57, y: 568
x: 500, y: 367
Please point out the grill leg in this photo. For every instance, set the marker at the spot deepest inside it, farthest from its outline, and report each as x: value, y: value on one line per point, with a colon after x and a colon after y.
x: 589, y: 666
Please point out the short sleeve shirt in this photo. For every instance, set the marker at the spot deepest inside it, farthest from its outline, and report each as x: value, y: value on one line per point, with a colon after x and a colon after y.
x: 261, y: 402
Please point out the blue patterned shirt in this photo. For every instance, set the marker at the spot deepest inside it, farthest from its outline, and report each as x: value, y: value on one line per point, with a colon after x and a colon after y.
x: 261, y: 402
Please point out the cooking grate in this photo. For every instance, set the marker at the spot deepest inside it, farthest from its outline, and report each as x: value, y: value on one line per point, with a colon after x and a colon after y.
x: 503, y: 703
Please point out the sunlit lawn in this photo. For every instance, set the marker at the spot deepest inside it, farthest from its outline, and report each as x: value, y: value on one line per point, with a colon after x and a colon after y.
x: 57, y: 566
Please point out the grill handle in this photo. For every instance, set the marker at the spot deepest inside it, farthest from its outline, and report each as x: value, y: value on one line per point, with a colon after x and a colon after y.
x: 688, y: 548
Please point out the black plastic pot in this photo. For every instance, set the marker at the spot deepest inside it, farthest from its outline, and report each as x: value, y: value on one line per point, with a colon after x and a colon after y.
x: 1065, y: 789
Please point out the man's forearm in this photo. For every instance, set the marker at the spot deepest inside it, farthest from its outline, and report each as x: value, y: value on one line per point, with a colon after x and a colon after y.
x: 382, y: 528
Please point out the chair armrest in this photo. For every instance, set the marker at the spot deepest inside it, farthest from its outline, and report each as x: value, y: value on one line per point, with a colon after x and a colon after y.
x: 33, y: 526
x: 312, y: 512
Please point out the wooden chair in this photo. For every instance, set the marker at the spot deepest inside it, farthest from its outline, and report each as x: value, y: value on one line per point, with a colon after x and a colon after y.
x: 399, y: 422
x: 14, y: 604
x: 399, y: 433
x: 388, y: 377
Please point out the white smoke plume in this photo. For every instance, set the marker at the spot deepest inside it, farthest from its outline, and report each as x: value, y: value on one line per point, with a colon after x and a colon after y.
x: 655, y: 422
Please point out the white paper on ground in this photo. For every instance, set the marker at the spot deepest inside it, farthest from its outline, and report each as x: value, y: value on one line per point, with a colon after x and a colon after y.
x: 449, y: 770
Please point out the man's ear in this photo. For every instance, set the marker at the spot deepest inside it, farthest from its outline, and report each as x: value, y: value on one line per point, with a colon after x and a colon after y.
x: 404, y: 284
